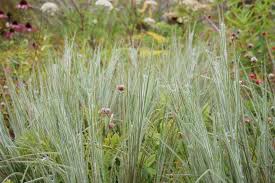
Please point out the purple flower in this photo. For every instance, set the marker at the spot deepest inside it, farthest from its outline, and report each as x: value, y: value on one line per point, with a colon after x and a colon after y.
x: 23, y: 4
x: 29, y: 27
x: 2, y: 15
x: 9, y: 34
x: 17, y: 27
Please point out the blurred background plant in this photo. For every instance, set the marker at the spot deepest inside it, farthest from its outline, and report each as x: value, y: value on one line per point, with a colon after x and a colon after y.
x: 252, y: 33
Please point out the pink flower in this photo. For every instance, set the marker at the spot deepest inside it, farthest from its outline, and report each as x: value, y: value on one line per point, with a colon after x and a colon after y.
x: 29, y: 28
x: 9, y: 34
x: 252, y: 76
x: 259, y: 81
x: 17, y: 27
x: 23, y: 4
x: 2, y: 15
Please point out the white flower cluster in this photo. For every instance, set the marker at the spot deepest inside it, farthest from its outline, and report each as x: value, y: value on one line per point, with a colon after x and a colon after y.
x: 105, y: 3
x: 49, y: 8
x: 151, y: 2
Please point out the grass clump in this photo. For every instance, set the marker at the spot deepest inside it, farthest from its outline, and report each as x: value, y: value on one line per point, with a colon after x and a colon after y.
x: 179, y: 117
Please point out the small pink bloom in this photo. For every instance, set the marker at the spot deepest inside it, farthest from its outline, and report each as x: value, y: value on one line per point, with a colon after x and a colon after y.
x: 9, y: 34
x: 252, y: 76
x: 23, y: 4
x: 17, y: 27
x: 2, y: 15
x: 29, y: 28
x: 14, y: 24
x: 259, y: 81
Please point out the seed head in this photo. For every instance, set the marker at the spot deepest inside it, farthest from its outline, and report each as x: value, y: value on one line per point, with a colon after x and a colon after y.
x: 269, y: 120
x: 241, y: 82
x: 250, y: 46
x: 271, y: 77
x: 104, y: 111
x: 111, y: 125
x: 247, y: 120
x: 253, y: 59
x: 120, y: 87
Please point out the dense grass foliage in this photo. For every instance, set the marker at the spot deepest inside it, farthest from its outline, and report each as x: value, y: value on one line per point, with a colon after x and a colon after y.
x: 180, y: 116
